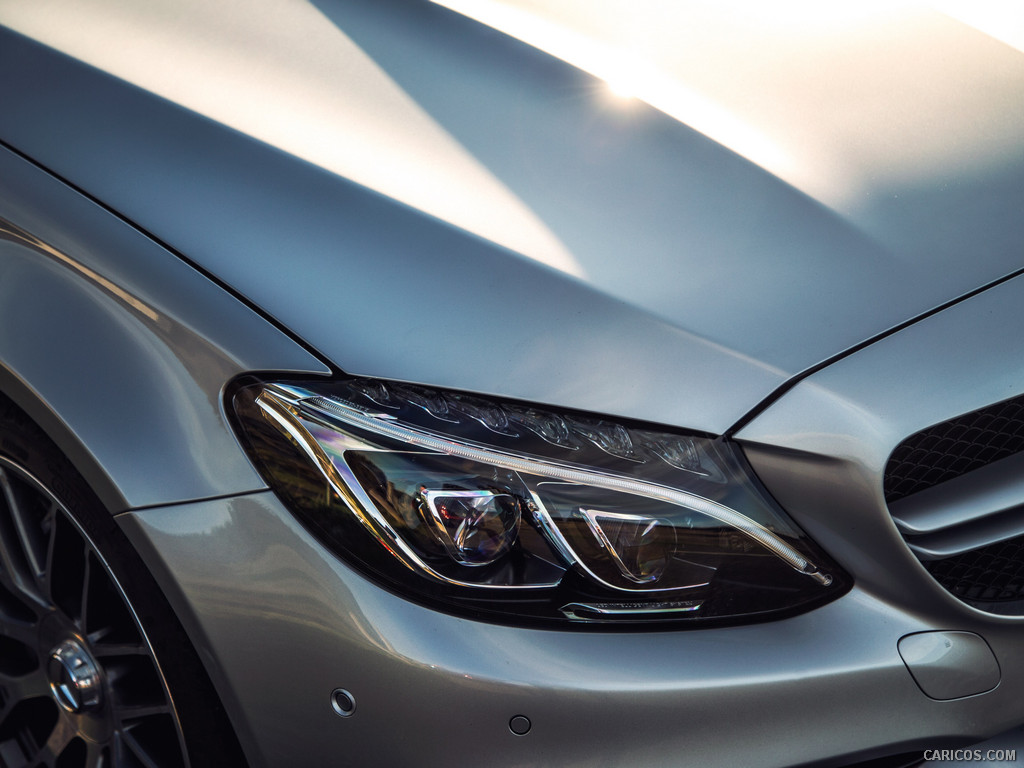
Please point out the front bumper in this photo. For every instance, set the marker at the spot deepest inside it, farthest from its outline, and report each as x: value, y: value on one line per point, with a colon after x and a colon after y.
x: 281, y: 623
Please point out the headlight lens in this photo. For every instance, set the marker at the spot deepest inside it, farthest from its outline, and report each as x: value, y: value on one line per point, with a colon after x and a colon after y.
x: 516, y: 513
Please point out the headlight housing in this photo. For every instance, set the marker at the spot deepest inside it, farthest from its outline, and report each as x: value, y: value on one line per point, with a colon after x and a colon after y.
x: 515, y: 513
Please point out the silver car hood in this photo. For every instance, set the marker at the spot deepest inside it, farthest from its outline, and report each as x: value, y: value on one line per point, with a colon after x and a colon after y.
x: 661, y: 211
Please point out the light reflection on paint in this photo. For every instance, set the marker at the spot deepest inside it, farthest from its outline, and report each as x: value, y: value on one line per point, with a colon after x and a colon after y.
x: 834, y: 98
x: 18, y: 234
x: 627, y: 73
x: 1002, y: 20
x: 287, y: 76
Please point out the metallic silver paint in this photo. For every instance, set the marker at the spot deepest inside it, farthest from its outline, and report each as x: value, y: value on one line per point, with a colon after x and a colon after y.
x: 950, y: 665
x: 821, y: 450
x: 703, y: 282
x: 120, y: 350
x: 973, y: 497
x: 699, y: 268
x: 271, y: 610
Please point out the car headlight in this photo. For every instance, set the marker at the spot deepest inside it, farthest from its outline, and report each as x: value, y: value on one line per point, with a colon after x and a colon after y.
x: 516, y: 513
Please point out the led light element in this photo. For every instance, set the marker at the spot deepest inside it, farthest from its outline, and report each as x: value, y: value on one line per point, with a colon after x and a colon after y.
x: 610, y: 438
x: 507, y: 510
x: 419, y: 438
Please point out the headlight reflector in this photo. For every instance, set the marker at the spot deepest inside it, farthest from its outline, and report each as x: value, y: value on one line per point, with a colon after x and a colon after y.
x: 513, y: 512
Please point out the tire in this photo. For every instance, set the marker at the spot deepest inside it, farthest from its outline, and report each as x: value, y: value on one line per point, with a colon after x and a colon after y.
x: 95, y: 669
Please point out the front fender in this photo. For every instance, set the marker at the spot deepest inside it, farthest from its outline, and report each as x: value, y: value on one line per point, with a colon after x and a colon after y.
x: 120, y: 350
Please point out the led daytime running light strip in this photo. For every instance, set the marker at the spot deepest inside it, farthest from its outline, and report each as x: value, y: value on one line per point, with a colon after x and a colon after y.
x: 386, y: 425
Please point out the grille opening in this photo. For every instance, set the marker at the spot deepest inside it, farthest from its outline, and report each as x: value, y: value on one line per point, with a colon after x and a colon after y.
x: 990, y: 576
x: 954, y: 448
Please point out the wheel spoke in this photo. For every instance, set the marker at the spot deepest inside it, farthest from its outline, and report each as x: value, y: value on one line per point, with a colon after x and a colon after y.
x: 21, y: 565
x: 23, y: 632
x: 21, y: 687
x: 29, y: 530
x: 118, y: 750
x: 51, y: 540
x: 137, y: 750
x: 62, y: 735
x: 96, y: 755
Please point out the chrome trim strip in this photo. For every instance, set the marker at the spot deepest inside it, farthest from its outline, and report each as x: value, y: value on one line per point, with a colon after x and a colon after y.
x: 615, y: 610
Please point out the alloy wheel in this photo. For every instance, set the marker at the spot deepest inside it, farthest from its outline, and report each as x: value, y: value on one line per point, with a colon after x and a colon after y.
x: 80, y: 686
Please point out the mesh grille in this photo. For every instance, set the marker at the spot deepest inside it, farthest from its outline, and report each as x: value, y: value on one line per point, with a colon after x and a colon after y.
x: 991, y: 575
x: 954, y: 448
